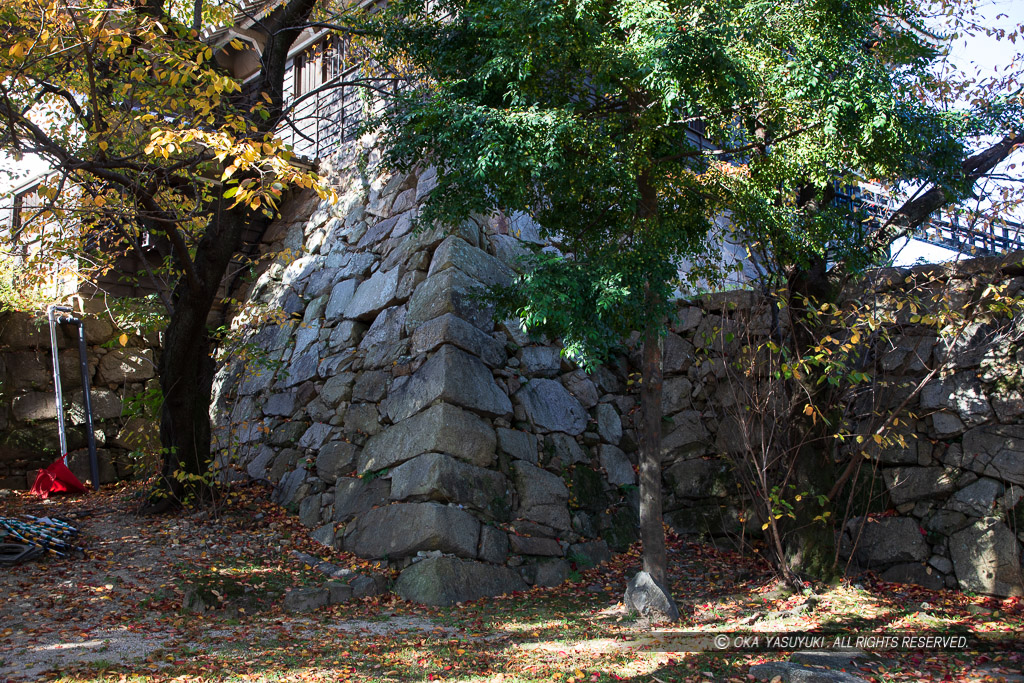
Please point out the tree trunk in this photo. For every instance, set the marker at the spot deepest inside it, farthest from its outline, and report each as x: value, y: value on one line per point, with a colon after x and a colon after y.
x: 187, y: 367
x: 652, y: 533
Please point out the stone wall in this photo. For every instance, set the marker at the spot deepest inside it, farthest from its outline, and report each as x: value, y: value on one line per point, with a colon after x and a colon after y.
x: 29, y: 436
x: 401, y: 423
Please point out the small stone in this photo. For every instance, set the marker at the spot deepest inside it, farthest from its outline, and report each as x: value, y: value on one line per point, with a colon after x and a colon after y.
x: 644, y: 596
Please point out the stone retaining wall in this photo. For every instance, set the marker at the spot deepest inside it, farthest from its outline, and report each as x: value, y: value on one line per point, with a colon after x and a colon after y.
x: 29, y: 436
x: 401, y: 423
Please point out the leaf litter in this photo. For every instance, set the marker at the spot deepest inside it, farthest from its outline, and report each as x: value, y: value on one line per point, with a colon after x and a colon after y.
x: 116, y: 613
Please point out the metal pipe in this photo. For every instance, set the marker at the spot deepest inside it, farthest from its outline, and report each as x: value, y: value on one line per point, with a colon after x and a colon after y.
x: 50, y: 310
x: 83, y: 360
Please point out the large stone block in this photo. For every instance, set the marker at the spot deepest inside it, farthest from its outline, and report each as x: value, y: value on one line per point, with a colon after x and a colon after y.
x: 354, y: 496
x: 961, y: 393
x: 995, y: 450
x: 543, y: 496
x: 455, y: 252
x: 616, y: 465
x: 374, y: 295
x: 450, y: 329
x: 126, y: 365
x: 439, y: 477
x: 551, y: 408
x: 35, y: 405
x: 452, y: 376
x: 382, y: 344
x: 517, y: 444
x: 450, y: 291
x: 341, y: 296
x: 907, y: 484
x: 986, y: 558
x: 445, y: 581
x: 885, y: 541
x: 441, y: 428
x: 699, y: 478
x: 404, y: 529
x: 688, y: 436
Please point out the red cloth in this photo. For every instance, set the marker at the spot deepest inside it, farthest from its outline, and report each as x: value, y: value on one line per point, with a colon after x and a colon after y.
x: 56, y: 478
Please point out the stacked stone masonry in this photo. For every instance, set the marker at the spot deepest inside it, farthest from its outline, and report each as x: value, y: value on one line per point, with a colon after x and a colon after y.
x: 402, y: 423
x: 29, y: 438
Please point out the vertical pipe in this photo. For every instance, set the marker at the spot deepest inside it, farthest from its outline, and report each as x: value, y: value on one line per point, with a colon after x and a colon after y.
x: 83, y: 359
x: 50, y: 311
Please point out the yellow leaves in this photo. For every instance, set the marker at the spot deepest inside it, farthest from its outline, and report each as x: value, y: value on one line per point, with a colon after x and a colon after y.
x: 103, y: 145
x: 123, y: 339
x: 18, y: 50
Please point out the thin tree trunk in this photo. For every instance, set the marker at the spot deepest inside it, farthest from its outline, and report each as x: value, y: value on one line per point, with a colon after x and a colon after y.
x: 652, y: 533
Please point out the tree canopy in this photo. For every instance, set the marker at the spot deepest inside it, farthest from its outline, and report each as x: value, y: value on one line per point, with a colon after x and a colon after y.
x: 627, y: 128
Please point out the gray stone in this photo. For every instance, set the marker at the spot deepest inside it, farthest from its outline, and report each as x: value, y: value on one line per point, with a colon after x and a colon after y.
x: 373, y: 295
x: 339, y: 592
x: 454, y: 252
x: 677, y: 354
x: 335, y: 459
x: 978, y: 499
x: 257, y: 467
x: 534, y: 545
x: 358, y: 266
x: 906, y: 484
x: 616, y: 465
x: 363, y: 418
x: 341, y: 297
x: 105, y: 405
x: 543, y: 496
x: 316, y: 436
x: 941, y: 563
x: 886, y: 541
x: 995, y: 450
x: 517, y: 444
x: 551, y: 408
x: 446, y: 581
x: 441, y: 428
x: 676, y: 395
x: 381, y: 345
x: 493, y: 545
x: 309, y: 511
x: 551, y: 573
x: 364, y: 586
x: 354, y: 496
x: 708, y: 520
x: 34, y: 406
x: 291, y: 488
x: 688, y: 436
x: 452, y: 376
x: 121, y: 366
x: 302, y: 368
x: 540, y: 361
x: 590, y: 554
x: 699, y: 478
x: 789, y: 672
x: 325, y: 535
x: 581, y: 387
x: 439, y: 477
x: 306, y: 599
x: 961, y: 393
x: 78, y: 463
x: 916, y: 573
x: 947, y: 424
x: 450, y: 291
x: 986, y: 557
x: 946, y: 522
x: 561, y: 450
x: 346, y: 334
x: 338, y: 389
x: 281, y: 403
x: 609, y: 425
x: 370, y: 386
x: 649, y: 599
x: 450, y: 329
x: 403, y: 529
